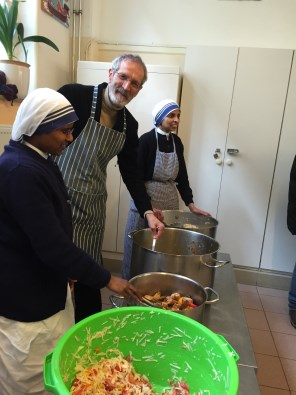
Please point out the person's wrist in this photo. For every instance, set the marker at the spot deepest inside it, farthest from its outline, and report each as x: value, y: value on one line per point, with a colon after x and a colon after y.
x: 191, y: 206
x: 148, y: 212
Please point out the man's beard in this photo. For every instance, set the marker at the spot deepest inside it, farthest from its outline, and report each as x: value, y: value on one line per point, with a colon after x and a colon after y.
x: 118, y: 102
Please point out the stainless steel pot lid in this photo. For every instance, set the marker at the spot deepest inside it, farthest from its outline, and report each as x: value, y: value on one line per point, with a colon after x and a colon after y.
x: 188, y: 220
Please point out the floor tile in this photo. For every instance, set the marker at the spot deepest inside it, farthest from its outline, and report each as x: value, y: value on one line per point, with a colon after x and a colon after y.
x: 285, y: 345
x: 280, y: 323
x: 273, y: 391
x: 247, y: 288
x: 272, y: 292
x: 250, y: 300
x: 262, y: 342
x: 274, y: 304
x: 270, y: 372
x: 289, y: 367
x: 256, y: 319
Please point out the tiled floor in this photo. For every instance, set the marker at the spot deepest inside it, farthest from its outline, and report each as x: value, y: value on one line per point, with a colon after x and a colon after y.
x: 273, y: 337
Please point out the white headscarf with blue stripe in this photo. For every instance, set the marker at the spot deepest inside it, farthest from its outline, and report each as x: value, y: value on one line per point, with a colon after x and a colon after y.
x: 42, y: 111
x: 162, y: 109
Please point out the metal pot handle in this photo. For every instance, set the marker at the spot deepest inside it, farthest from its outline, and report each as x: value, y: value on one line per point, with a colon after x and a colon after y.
x: 214, y: 292
x: 113, y: 298
x: 218, y: 263
x: 131, y: 234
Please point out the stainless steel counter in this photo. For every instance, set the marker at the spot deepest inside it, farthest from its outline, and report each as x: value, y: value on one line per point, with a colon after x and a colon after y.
x: 226, y: 317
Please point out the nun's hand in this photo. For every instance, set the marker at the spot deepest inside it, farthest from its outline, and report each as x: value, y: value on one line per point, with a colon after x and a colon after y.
x: 158, y: 214
x: 156, y: 226
x: 124, y: 288
x: 196, y: 210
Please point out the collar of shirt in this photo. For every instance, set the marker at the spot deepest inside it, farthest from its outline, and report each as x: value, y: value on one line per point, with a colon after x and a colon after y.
x: 162, y: 132
x: 44, y: 154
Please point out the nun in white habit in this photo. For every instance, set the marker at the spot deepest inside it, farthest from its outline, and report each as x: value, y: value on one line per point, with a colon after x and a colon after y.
x: 38, y: 256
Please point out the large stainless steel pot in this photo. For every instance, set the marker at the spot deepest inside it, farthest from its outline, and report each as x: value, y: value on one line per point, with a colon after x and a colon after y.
x: 178, y: 251
x: 187, y: 220
x: 168, y: 283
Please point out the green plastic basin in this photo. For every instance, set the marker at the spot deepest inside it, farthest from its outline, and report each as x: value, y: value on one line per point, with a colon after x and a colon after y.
x: 164, y: 346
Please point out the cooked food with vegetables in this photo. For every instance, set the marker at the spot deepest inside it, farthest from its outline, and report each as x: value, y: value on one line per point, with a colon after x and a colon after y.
x: 117, y: 376
x: 174, y: 302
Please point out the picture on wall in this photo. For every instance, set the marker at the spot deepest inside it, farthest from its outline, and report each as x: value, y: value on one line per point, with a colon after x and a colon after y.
x: 59, y: 9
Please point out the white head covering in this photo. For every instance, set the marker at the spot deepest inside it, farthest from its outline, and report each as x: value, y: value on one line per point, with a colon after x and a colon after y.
x: 162, y: 109
x: 42, y: 111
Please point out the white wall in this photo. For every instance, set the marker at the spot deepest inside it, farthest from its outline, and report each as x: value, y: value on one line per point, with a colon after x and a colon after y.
x: 53, y: 67
x: 159, y: 30
x: 265, y: 23
x: 48, y: 67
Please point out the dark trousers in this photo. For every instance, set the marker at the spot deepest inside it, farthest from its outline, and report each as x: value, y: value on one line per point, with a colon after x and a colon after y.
x: 292, y: 292
x: 87, y: 301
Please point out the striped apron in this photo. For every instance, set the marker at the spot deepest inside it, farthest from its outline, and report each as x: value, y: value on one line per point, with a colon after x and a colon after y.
x: 164, y: 196
x: 83, y: 165
x: 162, y: 188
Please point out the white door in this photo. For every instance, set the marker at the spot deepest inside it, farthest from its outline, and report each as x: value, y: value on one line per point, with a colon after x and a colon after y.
x: 205, y: 104
x: 256, y: 114
x: 279, y: 247
x: 234, y: 100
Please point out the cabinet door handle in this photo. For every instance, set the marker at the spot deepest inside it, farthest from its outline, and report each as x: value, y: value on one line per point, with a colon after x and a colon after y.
x: 217, y: 153
x: 232, y: 151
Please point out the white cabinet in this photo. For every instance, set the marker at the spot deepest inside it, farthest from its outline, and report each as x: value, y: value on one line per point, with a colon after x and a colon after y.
x: 163, y: 82
x: 234, y: 99
x: 256, y: 114
x: 205, y: 104
x: 279, y: 248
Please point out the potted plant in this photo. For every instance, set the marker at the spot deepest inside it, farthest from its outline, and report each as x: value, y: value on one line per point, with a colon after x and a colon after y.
x: 11, y: 37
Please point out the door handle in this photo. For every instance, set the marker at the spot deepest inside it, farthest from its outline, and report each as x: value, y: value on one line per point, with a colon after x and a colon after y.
x: 217, y: 157
x: 232, y: 151
x: 217, y: 153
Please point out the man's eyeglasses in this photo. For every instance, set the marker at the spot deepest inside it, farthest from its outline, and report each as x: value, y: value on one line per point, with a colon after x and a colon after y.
x: 134, y: 84
x: 66, y: 131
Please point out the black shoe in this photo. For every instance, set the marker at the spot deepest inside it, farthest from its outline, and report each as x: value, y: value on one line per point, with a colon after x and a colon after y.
x: 293, y: 317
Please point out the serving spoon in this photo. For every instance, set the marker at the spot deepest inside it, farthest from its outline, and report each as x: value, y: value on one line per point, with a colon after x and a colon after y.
x: 153, y: 244
x: 152, y: 304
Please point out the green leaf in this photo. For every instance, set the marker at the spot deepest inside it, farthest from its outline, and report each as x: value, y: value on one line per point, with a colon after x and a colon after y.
x: 41, y: 39
x: 20, y: 31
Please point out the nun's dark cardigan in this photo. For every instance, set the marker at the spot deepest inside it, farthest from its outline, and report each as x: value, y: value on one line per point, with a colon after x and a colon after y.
x: 37, y: 256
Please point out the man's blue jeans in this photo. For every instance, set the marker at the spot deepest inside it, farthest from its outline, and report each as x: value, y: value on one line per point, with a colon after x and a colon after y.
x: 292, y: 292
